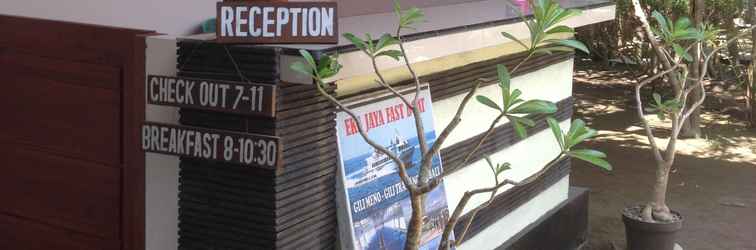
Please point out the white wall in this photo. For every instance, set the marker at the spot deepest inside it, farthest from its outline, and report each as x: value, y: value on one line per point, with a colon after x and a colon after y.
x: 161, y: 171
x: 177, y: 17
x: 183, y: 17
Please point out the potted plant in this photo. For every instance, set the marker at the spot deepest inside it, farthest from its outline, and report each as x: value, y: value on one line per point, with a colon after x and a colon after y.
x: 678, y: 45
x: 547, y: 36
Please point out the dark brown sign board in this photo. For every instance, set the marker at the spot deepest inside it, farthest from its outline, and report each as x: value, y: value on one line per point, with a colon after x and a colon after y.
x: 222, y: 96
x: 276, y: 22
x: 253, y: 150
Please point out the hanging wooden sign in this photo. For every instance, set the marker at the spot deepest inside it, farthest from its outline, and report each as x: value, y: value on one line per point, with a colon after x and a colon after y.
x: 276, y: 22
x: 247, y: 149
x: 222, y: 96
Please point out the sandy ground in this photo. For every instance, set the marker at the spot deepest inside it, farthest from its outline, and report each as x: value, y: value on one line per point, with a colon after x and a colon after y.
x: 713, y: 184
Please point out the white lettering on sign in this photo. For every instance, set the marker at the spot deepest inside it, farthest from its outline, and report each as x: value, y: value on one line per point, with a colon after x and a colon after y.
x: 246, y: 149
x: 277, y: 22
x: 213, y: 95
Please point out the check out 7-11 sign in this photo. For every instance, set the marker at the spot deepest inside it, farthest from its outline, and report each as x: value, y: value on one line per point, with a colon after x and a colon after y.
x: 276, y: 22
x: 222, y: 96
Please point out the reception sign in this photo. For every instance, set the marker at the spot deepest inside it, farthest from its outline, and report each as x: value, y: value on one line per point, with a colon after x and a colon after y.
x: 276, y: 22
x: 247, y: 149
x: 375, y: 199
x: 214, y: 95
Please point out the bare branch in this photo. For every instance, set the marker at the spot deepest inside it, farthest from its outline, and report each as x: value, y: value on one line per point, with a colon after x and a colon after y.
x: 445, y: 243
x: 641, y: 115
x: 386, y: 85
x: 400, y: 164
x: 449, y: 128
x: 660, y: 53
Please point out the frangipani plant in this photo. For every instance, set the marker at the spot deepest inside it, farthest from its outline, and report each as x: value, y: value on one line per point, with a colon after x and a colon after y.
x: 672, y: 41
x: 543, y: 25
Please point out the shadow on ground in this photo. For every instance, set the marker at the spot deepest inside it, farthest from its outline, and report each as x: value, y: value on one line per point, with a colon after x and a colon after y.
x: 713, y: 184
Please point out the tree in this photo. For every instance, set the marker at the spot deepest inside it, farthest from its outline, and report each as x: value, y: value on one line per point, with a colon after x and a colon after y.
x: 691, y: 127
x: 544, y: 38
x: 751, y: 85
x: 668, y: 38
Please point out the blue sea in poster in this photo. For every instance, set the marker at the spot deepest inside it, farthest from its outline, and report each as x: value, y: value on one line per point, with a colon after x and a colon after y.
x: 379, y: 205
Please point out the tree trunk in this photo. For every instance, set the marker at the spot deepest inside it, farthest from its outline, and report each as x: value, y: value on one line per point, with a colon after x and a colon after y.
x: 415, y: 227
x: 750, y: 98
x: 658, y: 209
x: 691, y: 128
x: 660, y: 186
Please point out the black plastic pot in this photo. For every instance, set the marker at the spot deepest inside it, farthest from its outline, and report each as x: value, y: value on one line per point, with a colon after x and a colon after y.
x: 641, y: 235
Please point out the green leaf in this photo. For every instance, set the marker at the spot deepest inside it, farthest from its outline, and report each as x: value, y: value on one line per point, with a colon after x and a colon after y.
x: 574, y: 44
x: 682, y: 23
x: 576, y: 128
x: 519, y: 124
x: 561, y: 29
x: 661, y: 115
x: 554, y: 125
x: 513, y: 38
x: 550, y: 50
x: 385, y: 41
x: 503, y: 167
x: 396, y: 54
x: 543, y: 51
x: 328, y: 66
x: 301, y: 68
x: 519, y: 129
x: 524, y: 120
x: 504, y: 77
x: 308, y: 58
x: 657, y: 98
x: 663, y: 25
x: 208, y: 26
x: 589, y: 152
x: 534, y: 107
x: 485, y: 101
x: 410, y: 17
x: 397, y: 8
x: 578, y: 138
x: 369, y: 43
x: 511, y: 99
x: 591, y: 157
x: 356, y: 41
x: 681, y: 52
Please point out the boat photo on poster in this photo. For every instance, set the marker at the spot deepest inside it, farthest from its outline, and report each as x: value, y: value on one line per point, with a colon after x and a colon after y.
x: 374, y: 204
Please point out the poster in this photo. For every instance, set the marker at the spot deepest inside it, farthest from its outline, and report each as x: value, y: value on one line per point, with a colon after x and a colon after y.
x: 375, y: 205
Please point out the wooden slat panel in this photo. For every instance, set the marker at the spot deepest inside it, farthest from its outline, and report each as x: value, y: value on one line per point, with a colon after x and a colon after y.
x: 64, y: 107
x: 17, y: 233
x: 72, y: 41
x: 86, y: 74
x: 58, y: 191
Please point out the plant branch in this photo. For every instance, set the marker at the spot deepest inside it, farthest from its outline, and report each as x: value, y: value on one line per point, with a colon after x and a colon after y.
x: 385, y: 84
x: 488, y: 133
x: 449, y: 128
x: 400, y: 164
x: 641, y: 115
x: 660, y: 53
x: 424, y: 169
x: 454, y: 219
x: 530, y: 54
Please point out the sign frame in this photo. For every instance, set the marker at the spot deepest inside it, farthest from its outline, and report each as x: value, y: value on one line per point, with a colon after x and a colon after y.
x: 251, y: 95
x: 281, y: 34
x: 237, y: 139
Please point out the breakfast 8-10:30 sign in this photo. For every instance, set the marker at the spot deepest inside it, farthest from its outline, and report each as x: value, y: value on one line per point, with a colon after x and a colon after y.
x: 276, y: 22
